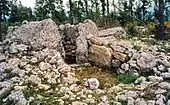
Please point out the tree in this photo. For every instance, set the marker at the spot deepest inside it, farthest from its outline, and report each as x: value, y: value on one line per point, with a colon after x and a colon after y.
x: 103, y: 4
x: 71, y: 11
x: 4, y: 9
x: 86, y: 6
x: 161, y: 19
x: 50, y: 9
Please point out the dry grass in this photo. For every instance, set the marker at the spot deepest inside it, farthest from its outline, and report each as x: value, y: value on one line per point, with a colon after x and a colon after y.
x: 105, y: 78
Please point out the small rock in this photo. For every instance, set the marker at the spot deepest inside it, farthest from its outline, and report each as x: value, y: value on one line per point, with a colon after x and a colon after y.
x: 140, y: 80
x: 166, y: 75
x: 116, y: 63
x: 160, y: 91
x: 104, y: 99
x: 78, y: 103
x: 151, y: 102
x: 164, y: 85
x: 161, y: 68
x: 13, y: 49
x: 140, y: 101
x: 121, y: 98
x: 168, y: 69
x: 168, y: 103
x: 44, y: 66
x: 28, y: 67
x: 35, y: 79
x: 125, y: 66
x: 17, y: 98
x: 92, y: 83
x: 130, y: 101
x: 51, y: 81
x: 43, y: 86
x: 22, y: 47
x: 132, y: 94
x: 155, y: 79
x: 99, y: 91
x: 64, y: 89
x: 2, y: 58
x: 160, y: 99
x: 34, y: 60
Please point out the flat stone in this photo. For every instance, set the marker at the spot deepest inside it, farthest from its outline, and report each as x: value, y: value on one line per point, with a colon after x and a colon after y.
x: 151, y: 102
x: 166, y: 75
x: 161, y: 68
x: 35, y: 79
x: 155, y: 79
x: 160, y: 91
x: 92, y: 83
x: 116, y: 63
x: 164, y: 85
x: 44, y: 66
x: 120, y: 56
x: 2, y: 58
x: 132, y: 94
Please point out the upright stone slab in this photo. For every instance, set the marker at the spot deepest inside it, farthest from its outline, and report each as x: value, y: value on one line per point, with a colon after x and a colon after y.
x: 40, y: 34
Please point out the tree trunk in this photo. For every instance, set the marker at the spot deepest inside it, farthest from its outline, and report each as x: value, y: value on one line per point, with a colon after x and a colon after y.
x: 0, y: 25
x: 71, y: 11
x: 86, y: 6
x: 161, y: 20
x: 103, y: 9
x: 108, y: 7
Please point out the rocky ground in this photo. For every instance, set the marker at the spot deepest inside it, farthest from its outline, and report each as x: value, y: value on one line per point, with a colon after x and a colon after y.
x: 33, y: 70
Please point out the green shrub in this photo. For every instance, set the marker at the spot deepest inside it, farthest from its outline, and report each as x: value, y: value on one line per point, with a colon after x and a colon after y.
x: 151, y: 27
x: 126, y: 78
x: 3, y: 30
x: 131, y: 28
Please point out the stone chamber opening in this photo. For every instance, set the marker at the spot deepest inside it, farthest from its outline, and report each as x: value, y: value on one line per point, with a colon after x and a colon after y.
x: 69, y: 44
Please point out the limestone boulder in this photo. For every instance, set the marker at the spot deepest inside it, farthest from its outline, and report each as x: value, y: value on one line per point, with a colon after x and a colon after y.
x: 40, y: 34
x: 146, y: 62
x: 117, y: 32
x: 90, y: 27
x: 100, y: 56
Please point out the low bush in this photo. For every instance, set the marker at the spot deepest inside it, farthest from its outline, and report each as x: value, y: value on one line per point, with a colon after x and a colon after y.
x: 126, y: 78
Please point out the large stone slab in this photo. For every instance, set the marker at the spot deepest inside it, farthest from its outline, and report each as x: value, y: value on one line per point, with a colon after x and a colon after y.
x: 39, y: 34
x: 100, y: 56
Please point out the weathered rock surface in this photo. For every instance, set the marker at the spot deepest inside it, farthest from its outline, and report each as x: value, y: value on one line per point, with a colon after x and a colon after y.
x: 39, y: 34
x: 117, y: 32
x: 100, y: 56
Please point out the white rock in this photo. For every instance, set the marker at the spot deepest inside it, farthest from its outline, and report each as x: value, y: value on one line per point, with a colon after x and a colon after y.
x: 44, y: 66
x: 160, y: 91
x: 43, y: 86
x: 151, y: 102
x: 140, y: 80
x: 155, y: 79
x: 164, y: 85
x: 168, y: 103
x: 140, y: 101
x: 130, y: 101
x: 168, y: 69
x: 78, y: 103
x: 161, y: 68
x: 160, y: 99
x: 166, y: 75
x: 104, y: 99
x: 34, y: 60
x: 35, y: 79
x: 92, y: 83
x: 64, y: 89
x: 132, y: 94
